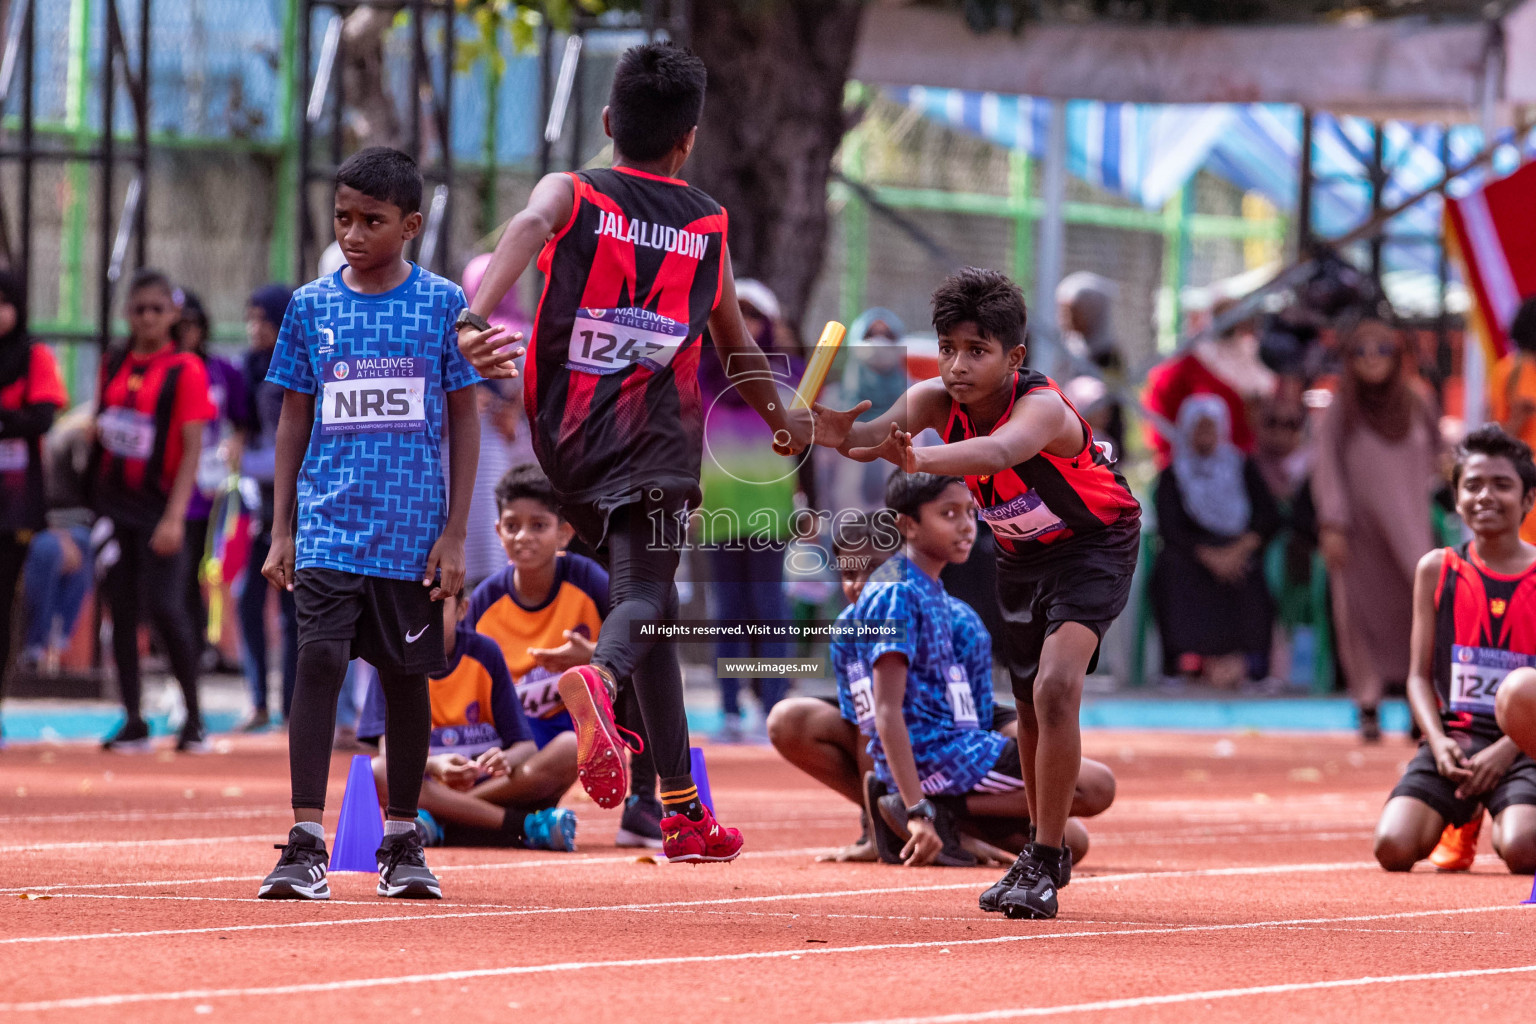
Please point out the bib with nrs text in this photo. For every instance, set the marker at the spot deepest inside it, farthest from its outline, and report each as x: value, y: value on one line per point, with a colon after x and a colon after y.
x: 362, y: 395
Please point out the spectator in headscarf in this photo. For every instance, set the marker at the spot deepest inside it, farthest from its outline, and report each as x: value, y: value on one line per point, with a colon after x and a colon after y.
x: 1378, y: 459
x: 1214, y: 515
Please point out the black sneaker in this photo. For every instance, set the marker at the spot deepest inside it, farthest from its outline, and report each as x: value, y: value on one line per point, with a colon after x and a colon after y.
x: 193, y: 740
x: 640, y: 824
x: 301, y: 870
x: 403, y: 871
x: 888, y: 843
x: 131, y: 737
x: 991, y: 899
x: 951, y: 855
x: 1034, y: 893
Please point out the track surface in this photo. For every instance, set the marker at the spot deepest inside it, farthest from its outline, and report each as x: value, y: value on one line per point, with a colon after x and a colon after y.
x: 1231, y: 881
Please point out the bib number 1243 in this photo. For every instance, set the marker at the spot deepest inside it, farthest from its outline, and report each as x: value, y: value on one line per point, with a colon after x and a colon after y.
x: 606, y: 341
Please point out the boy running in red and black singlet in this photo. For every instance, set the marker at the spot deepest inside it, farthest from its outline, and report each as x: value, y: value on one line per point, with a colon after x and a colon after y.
x: 1474, y: 625
x: 1067, y: 530
x: 636, y: 267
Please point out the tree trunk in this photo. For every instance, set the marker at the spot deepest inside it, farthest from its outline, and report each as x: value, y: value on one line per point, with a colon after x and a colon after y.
x: 772, y: 119
x: 371, y: 117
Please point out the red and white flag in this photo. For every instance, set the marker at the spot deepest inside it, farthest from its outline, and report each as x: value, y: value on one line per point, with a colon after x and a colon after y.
x: 1493, y: 232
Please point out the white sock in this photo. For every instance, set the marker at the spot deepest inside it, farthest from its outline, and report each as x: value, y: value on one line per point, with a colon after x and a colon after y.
x: 395, y: 828
x: 314, y: 828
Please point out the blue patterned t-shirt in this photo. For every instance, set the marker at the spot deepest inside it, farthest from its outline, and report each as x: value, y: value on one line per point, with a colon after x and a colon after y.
x: 948, y: 702
x: 372, y: 497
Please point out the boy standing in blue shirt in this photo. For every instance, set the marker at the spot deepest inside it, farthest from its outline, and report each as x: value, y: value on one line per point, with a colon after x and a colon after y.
x: 371, y: 370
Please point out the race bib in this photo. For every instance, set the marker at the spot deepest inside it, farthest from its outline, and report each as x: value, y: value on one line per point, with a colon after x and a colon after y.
x: 539, y: 690
x: 13, y: 455
x: 962, y: 703
x: 127, y: 433
x: 1476, y: 673
x: 1026, y: 517
x: 609, y: 340
x: 861, y: 689
x: 365, y: 395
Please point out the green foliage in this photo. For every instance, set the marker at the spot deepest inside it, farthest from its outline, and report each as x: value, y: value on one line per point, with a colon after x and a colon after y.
x: 521, y: 20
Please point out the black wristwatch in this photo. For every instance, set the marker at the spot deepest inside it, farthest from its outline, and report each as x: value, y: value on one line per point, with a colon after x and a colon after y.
x: 474, y: 320
x: 922, y: 809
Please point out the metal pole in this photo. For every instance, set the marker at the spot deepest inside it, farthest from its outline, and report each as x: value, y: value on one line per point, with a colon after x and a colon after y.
x: 28, y: 78
x: 1304, y: 189
x: 546, y: 67
x: 108, y: 155
x: 444, y: 103
x: 141, y: 217
x: 1474, y: 366
x: 301, y: 178
x: 1050, y: 250
x: 578, y: 78
x: 1378, y: 186
x: 280, y: 266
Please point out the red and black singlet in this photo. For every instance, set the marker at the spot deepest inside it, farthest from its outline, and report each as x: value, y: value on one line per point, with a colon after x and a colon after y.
x: 611, y: 383
x: 145, y: 403
x: 1046, y: 499
x: 1485, y: 627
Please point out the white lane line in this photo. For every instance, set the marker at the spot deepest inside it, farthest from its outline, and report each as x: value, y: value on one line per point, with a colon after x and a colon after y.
x: 114, y: 844
x: 563, y: 861
x: 99, y: 816
x: 1140, y: 1002
x: 798, y: 952
x: 647, y: 907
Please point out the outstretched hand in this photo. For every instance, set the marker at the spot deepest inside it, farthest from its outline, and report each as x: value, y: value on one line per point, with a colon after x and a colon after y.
x: 487, y: 351
x: 833, y: 425
x: 896, y: 449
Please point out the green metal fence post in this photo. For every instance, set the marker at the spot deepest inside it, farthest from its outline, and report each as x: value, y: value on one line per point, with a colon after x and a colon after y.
x: 1021, y: 264
x: 280, y: 254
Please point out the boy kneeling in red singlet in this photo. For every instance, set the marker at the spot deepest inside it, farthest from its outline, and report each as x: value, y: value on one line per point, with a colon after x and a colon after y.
x: 1474, y: 633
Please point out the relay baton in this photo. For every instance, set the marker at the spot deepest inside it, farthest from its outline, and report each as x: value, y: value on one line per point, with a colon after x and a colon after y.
x: 821, y: 361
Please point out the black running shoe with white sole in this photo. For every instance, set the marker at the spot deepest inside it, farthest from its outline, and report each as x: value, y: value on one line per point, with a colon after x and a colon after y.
x: 131, y: 737
x: 640, y: 824
x: 301, y: 870
x: 403, y: 871
x: 193, y: 740
x: 1034, y: 894
x: 888, y: 843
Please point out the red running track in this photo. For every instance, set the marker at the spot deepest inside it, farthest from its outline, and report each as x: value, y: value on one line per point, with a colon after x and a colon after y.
x: 1236, y: 887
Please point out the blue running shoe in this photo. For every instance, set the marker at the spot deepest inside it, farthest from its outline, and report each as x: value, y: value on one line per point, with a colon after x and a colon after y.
x: 553, y: 828
x: 428, y: 828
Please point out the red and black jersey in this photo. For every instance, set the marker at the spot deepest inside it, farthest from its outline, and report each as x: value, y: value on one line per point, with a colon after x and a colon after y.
x: 145, y: 403
x: 1046, y: 499
x: 1485, y: 626
x: 611, y: 383
x: 27, y: 406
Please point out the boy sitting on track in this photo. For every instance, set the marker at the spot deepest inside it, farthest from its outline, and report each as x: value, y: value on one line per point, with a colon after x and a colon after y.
x: 488, y: 783
x: 636, y: 267
x: 545, y: 610
x: 924, y: 698
x: 367, y: 356
x: 1067, y: 530
x: 1474, y: 624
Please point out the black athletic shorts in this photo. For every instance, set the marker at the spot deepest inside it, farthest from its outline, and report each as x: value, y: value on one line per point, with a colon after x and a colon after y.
x: 1006, y: 774
x: 1423, y: 781
x: 394, y: 625
x: 662, y: 516
x: 1087, y: 580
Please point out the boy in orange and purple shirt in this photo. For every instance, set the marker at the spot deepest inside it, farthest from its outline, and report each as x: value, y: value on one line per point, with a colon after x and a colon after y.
x: 545, y: 611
